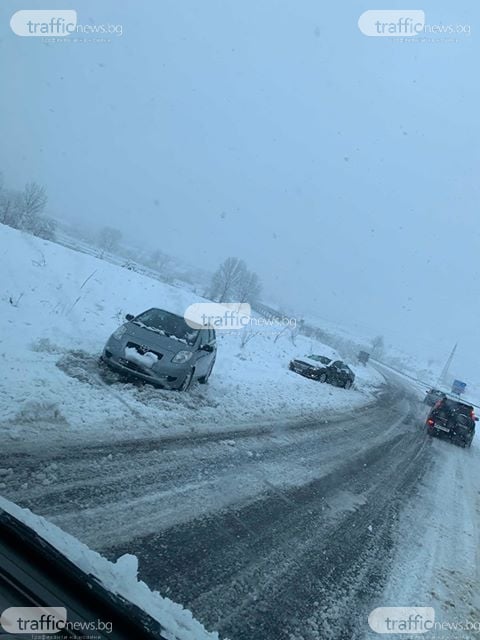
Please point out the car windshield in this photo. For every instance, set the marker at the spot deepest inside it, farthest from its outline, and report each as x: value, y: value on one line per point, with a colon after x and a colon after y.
x: 321, y: 359
x: 194, y: 195
x: 167, y: 324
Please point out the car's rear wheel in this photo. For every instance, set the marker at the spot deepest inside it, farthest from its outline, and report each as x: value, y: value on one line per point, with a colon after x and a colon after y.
x: 322, y: 377
x: 348, y: 384
x: 187, y: 383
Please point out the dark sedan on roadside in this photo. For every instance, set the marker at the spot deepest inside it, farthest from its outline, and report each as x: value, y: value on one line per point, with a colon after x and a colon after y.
x: 323, y: 369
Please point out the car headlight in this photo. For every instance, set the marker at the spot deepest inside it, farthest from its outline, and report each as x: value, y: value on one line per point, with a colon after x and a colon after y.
x: 119, y: 332
x: 182, y: 356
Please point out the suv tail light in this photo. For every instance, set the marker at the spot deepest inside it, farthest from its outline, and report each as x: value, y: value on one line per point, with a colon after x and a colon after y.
x: 430, y: 422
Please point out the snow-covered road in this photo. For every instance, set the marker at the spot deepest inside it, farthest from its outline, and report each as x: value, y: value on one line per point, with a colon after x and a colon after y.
x: 287, y: 531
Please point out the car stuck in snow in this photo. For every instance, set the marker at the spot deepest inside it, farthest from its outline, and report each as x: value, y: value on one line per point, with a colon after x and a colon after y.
x: 159, y: 347
x: 323, y: 369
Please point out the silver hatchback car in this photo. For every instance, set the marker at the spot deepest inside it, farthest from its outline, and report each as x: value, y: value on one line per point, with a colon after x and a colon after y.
x: 161, y: 348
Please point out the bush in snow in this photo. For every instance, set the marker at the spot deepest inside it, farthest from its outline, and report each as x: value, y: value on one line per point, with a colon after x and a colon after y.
x: 109, y: 238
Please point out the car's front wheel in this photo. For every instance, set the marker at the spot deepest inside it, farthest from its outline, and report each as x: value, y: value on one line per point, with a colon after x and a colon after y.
x: 187, y: 383
x: 204, y: 379
x: 322, y: 377
x: 348, y: 384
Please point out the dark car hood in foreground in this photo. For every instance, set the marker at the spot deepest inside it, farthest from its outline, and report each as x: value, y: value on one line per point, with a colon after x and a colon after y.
x: 34, y: 573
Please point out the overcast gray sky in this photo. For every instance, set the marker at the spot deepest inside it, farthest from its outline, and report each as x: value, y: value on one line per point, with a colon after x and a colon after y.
x: 343, y: 168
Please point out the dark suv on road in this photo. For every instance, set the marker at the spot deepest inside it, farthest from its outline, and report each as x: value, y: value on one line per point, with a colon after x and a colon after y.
x: 161, y: 348
x: 453, y: 419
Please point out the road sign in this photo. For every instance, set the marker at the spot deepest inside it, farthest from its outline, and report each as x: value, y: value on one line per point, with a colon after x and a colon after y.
x: 458, y: 387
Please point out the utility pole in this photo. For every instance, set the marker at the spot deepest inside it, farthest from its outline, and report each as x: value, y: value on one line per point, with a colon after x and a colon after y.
x: 443, y: 376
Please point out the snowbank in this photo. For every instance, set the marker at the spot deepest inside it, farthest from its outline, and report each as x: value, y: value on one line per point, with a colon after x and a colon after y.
x: 438, y: 541
x: 57, y: 309
x: 119, y: 577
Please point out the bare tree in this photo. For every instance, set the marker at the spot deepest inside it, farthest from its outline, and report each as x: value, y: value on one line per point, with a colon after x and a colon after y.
x: 294, y: 331
x: 109, y: 238
x: 226, y: 279
x: 160, y: 261
x: 24, y: 209
x: 378, y: 347
x: 11, y: 208
x: 280, y: 334
x: 44, y: 227
x: 247, y: 335
x: 249, y: 287
x: 34, y: 200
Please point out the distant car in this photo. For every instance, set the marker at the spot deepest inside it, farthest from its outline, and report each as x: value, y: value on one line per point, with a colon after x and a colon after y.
x: 161, y: 348
x: 432, y: 396
x: 363, y: 357
x: 453, y: 419
x: 323, y: 369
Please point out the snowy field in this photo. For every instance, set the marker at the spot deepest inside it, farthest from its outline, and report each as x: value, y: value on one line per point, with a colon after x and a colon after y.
x: 57, y: 309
